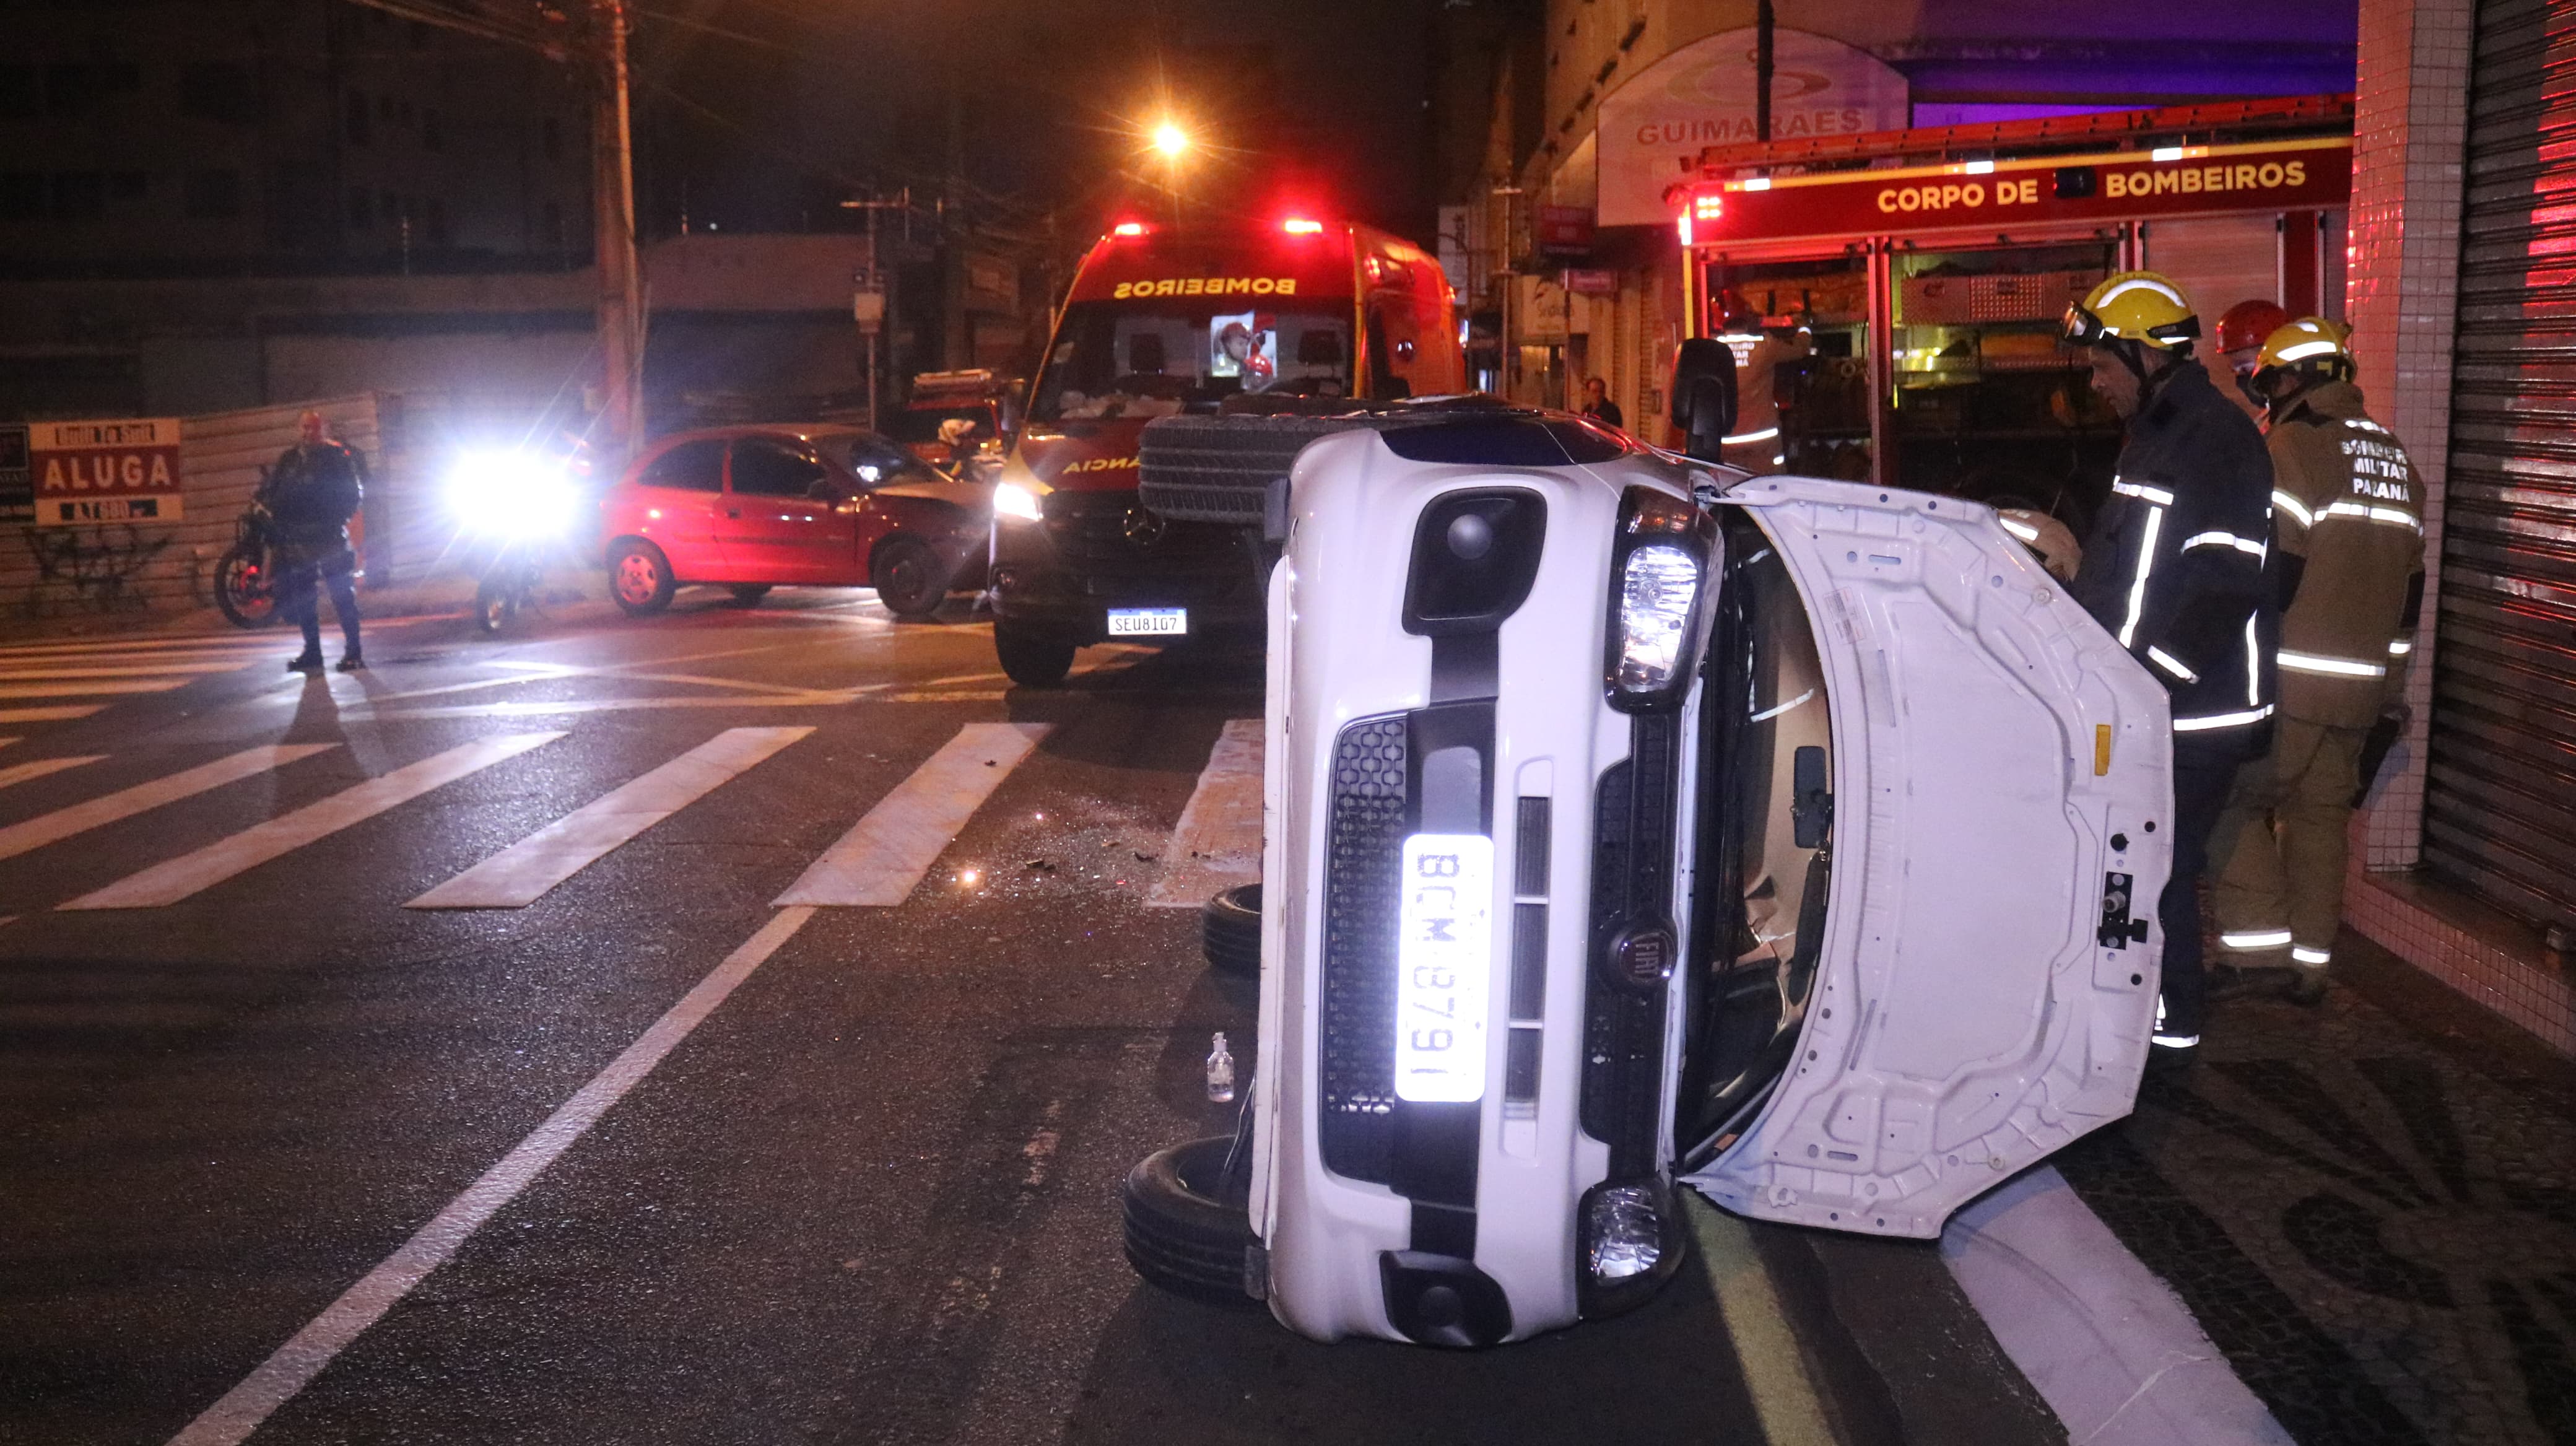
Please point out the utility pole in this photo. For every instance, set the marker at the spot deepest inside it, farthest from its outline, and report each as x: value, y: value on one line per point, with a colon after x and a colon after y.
x: 621, y: 310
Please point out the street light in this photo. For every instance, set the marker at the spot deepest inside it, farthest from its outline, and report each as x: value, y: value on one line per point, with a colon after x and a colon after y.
x: 1171, y: 140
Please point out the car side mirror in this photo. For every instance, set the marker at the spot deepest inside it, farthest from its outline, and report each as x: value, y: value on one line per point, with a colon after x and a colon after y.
x: 1704, y: 398
x: 1811, y: 799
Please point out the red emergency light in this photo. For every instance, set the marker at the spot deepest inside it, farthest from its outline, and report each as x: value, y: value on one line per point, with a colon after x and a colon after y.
x: 1128, y: 228
x: 1302, y: 226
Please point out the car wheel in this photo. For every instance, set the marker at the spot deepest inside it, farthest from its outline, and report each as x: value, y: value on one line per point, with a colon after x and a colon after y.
x: 1032, y: 660
x: 911, y: 581
x: 1181, y: 1235
x: 747, y: 593
x: 1230, y: 931
x: 493, y: 607
x: 639, y: 577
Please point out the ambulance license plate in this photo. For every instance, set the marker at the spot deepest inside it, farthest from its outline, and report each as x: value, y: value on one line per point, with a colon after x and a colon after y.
x: 1444, y: 965
x: 1149, y: 622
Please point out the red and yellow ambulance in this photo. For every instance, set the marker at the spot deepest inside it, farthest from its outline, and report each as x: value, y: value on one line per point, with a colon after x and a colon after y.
x: 1289, y: 314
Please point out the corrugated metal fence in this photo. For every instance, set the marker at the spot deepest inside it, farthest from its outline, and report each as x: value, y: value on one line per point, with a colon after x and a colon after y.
x: 2500, y: 802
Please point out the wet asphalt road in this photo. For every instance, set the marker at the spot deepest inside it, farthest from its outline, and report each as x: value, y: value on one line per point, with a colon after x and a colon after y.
x: 871, y: 1198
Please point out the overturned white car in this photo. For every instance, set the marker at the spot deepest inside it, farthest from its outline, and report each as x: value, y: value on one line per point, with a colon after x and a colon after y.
x: 1631, y: 821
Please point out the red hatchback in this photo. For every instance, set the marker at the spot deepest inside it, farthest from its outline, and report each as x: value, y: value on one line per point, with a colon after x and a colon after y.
x: 757, y: 507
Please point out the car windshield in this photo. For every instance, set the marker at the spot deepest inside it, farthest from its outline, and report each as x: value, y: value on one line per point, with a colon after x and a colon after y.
x: 877, y: 461
x: 1765, y: 831
x: 1125, y: 359
x: 929, y: 424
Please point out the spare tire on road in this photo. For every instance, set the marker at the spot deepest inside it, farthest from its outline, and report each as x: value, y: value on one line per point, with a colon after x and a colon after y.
x: 1186, y: 1233
x: 1230, y: 931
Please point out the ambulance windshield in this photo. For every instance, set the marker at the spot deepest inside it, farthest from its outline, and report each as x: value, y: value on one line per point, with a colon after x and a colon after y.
x: 1153, y: 359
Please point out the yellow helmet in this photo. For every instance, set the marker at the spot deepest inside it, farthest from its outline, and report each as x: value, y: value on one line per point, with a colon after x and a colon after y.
x: 2310, y: 343
x: 2138, y: 306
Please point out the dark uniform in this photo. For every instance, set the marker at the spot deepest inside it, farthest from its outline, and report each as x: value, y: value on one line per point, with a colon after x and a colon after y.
x: 2348, y: 514
x: 311, y: 494
x: 2175, y: 569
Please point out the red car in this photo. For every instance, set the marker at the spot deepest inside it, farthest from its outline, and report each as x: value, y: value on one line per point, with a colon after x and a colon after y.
x: 757, y: 507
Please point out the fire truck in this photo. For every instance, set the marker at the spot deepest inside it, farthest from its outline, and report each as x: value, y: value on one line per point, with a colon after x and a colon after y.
x: 1286, y: 317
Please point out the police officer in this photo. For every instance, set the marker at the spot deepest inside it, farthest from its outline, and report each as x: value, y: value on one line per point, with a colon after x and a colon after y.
x: 2175, y: 570
x: 2347, y: 516
x: 311, y: 494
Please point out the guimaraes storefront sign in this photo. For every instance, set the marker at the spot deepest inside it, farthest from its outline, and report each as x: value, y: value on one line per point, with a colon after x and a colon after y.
x: 1653, y: 128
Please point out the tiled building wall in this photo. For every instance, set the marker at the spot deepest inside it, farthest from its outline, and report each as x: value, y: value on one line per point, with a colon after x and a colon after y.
x: 2410, y: 132
x: 2402, y: 293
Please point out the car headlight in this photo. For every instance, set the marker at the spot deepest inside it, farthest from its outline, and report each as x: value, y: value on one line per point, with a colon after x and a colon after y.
x: 1657, y: 618
x: 1010, y: 499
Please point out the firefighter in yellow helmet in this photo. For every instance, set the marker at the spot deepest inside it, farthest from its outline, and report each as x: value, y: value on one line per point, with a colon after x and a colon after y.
x: 2347, y: 517
x: 2175, y: 571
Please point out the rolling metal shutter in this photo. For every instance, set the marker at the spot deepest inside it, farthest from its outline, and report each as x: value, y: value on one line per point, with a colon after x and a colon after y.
x: 2500, y: 807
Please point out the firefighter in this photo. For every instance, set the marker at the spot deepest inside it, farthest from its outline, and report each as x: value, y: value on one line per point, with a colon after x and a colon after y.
x: 2241, y: 333
x: 2175, y: 571
x: 2347, y: 514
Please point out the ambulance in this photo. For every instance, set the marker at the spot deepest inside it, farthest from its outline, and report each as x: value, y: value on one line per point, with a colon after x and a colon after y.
x: 1284, y: 316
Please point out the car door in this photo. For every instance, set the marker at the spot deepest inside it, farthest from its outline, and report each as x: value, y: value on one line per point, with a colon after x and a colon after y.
x: 783, y: 520
x: 1941, y: 822
x: 676, y: 502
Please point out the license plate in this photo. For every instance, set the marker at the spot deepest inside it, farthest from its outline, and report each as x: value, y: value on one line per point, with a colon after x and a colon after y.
x: 1444, y: 964
x: 1148, y: 622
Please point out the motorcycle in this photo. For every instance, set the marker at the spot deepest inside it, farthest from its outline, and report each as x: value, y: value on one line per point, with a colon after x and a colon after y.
x: 513, y: 509
x: 245, y: 576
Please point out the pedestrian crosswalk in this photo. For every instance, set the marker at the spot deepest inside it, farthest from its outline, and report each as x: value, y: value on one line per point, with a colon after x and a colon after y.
x: 879, y: 861
x: 66, y: 681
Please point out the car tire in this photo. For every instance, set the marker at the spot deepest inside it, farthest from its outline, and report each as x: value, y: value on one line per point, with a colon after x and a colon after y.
x: 1032, y: 660
x: 639, y: 578
x: 1230, y: 931
x: 747, y: 593
x: 910, y: 579
x: 1181, y: 1235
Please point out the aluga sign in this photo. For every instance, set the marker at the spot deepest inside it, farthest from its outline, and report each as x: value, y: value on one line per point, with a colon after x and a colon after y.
x: 113, y: 471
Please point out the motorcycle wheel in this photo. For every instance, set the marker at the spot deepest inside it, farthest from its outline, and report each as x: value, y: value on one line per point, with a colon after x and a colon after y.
x: 494, y: 607
x: 242, y: 591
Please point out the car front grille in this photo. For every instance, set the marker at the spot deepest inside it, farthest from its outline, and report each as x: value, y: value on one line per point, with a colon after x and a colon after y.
x: 1623, y: 1027
x: 1363, y: 859
x: 1109, y: 533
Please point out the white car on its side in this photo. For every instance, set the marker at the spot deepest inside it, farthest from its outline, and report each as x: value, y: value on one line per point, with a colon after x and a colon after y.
x: 1633, y: 822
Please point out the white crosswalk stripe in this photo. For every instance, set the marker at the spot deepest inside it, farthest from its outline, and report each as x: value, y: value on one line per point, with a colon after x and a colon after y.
x: 168, y: 883
x: 35, y: 768
x: 56, y: 713
x: 94, y: 688
x: 518, y: 875
x: 884, y: 856
x: 35, y: 833
x: 1217, y: 843
x: 47, y: 671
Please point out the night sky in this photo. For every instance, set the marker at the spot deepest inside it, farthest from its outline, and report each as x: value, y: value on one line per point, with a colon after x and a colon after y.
x: 763, y: 114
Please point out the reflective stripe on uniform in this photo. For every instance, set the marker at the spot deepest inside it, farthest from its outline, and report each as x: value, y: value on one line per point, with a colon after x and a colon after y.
x: 2244, y: 545
x: 1764, y: 435
x: 2156, y: 495
x: 2294, y: 507
x: 2302, y: 954
x: 2171, y: 664
x: 2401, y: 647
x: 2332, y: 667
x: 2392, y: 516
x: 2253, y: 664
x: 2254, y: 939
x: 2146, y: 565
x: 2222, y: 720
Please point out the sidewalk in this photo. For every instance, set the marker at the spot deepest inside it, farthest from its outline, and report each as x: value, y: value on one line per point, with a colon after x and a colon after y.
x: 2370, y: 1208
x: 442, y: 593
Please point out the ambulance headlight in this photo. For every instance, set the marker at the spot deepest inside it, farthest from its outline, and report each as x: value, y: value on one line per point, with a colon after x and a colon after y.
x: 1010, y: 499
x: 1657, y: 617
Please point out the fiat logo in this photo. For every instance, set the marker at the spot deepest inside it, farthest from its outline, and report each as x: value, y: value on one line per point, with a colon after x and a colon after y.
x: 1143, y: 526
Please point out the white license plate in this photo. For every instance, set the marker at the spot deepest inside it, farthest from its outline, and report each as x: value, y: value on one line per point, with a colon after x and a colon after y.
x: 1148, y: 622
x: 1444, y: 966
